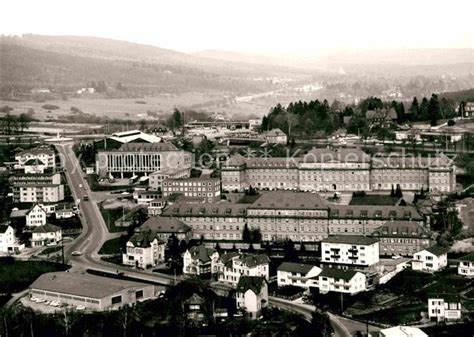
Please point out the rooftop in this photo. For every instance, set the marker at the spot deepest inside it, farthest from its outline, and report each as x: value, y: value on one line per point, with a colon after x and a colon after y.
x: 295, y: 267
x: 401, y: 228
x: 351, y: 239
x: 165, y: 225
x: 289, y: 200
x: 147, y: 147
x: 437, y: 250
x: 254, y: 283
x: 469, y: 257
x: 48, y: 228
x: 201, y: 253
x: 82, y: 284
x: 336, y: 273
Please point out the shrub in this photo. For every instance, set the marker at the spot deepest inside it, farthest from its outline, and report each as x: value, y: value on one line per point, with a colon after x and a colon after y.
x: 50, y: 107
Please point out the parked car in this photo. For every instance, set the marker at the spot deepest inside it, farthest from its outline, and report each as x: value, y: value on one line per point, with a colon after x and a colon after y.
x: 76, y: 253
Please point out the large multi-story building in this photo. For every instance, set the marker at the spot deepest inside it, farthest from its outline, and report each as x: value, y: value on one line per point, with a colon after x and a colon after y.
x: 350, y: 250
x: 231, y: 266
x: 37, y: 187
x: 43, y: 154
x: 133, y: 159
x: 281, y: 215
x: 402, y: 238
x: 204, y: 188
x: 342, y: 170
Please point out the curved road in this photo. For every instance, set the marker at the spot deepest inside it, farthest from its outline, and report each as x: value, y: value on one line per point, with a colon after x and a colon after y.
x: 95, y: 233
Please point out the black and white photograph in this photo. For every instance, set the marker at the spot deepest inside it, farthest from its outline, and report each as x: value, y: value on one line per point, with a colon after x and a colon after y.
x: 236, y: 168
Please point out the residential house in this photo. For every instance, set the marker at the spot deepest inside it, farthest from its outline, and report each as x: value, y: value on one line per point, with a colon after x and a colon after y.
x: 199, y: 260
x: 145, y: 197
x: 275, y: 136
x: 342, y: 281
x: 167, y: 227
x: 195, y: 309
x: 430, y: 259
x: 144, y: 250
x: 155, y: 206
x: 350, y: 250
x: 298, y: 275
x: 231, y: 266
x: 8, y: 241
x: 44, y: 154
x: 466, y: 265
x: 252, y: 294
x: 34, y: 216
x: 444, y: 307
x: 46, y: 235
x: 402, y: 237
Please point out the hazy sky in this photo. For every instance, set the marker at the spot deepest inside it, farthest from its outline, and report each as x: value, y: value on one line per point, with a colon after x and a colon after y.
x: 251, y: 25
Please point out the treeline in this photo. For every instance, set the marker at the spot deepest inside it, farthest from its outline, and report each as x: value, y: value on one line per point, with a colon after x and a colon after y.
x: 309, y: 118
x: 10, y: 124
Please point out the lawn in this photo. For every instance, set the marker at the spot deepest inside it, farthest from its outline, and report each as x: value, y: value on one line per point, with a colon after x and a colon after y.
x: 248, y: 199
x: 111, y: 246
x: 374, y: 199
x: 18, y: 275
x: 51, y: 250
x: 397, y: 315
x: 110, y: 215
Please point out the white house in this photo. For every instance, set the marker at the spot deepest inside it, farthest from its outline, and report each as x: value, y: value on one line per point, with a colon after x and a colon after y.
x: 444, y: 307
x: 342, y: 281
x: 466, y: 265
x: 350, y: 250
x: 8, y: 241
x: 46, y: 235
x: 252, y: 295
x: 200, y: 260
x: 64, y: 213
x: 34, y: 216
x: 231, y: 266
x: 297, y: 274
x: 430, y: 259
x: 399, y: 331
x: 144, y: 250
x: 275, y: 136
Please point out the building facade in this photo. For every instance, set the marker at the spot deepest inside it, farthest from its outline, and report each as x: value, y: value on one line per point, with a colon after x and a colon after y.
x: 280, y: 215
x: 444, y: 307
x: 342, y: 281
x: 8, y: 242
x: 252, y: 295
x: 298, y: 275
x: 46, y: 235
x: 350, y: 250
x: 134, y: 159
x: 199, y: 260
x: 37, y: 187
x: 403, y: 238
x: 430, y: 259
x: 343, y: 170
x: 231, y: 266
x: 44, y: 154
x: 144, y: 250
x: 203, y: 188
x: 466, y: 265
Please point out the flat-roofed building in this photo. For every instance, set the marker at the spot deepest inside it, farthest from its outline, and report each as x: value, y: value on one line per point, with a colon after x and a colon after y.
x: 202, y: 188
x: 132, y: 159
x: 93, y: 292
x: 350, y: 250
x: 298, y: 275
x: 402, y: 237
x: 37, y: 187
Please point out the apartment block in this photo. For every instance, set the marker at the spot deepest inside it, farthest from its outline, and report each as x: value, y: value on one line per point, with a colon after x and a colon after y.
x: 350, y: 250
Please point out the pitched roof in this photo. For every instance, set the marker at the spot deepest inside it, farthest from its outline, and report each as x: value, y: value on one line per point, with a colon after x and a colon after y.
x: 289, y: 200
x: 372, y: 212
x: 447, y: 297
x: 160, y: 224
x: 201, y: 253
x: 83, y: 284
x: 295, y: 267
x: 36, y: 151
x: 147, y: 147
x: 323, y: 155
x: 275, y: 132
x: 254, y: 283
x: 143, y: 238
x: 401, y: 228
x: 437, y: 250
x: 226, y: 209
x: 469, y: 257
x: 335, y: 273
x: 48, y: 228
x: 350, y: 239
x: 33, y: 162
x: 3, y: 228
x: 249, y: 260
